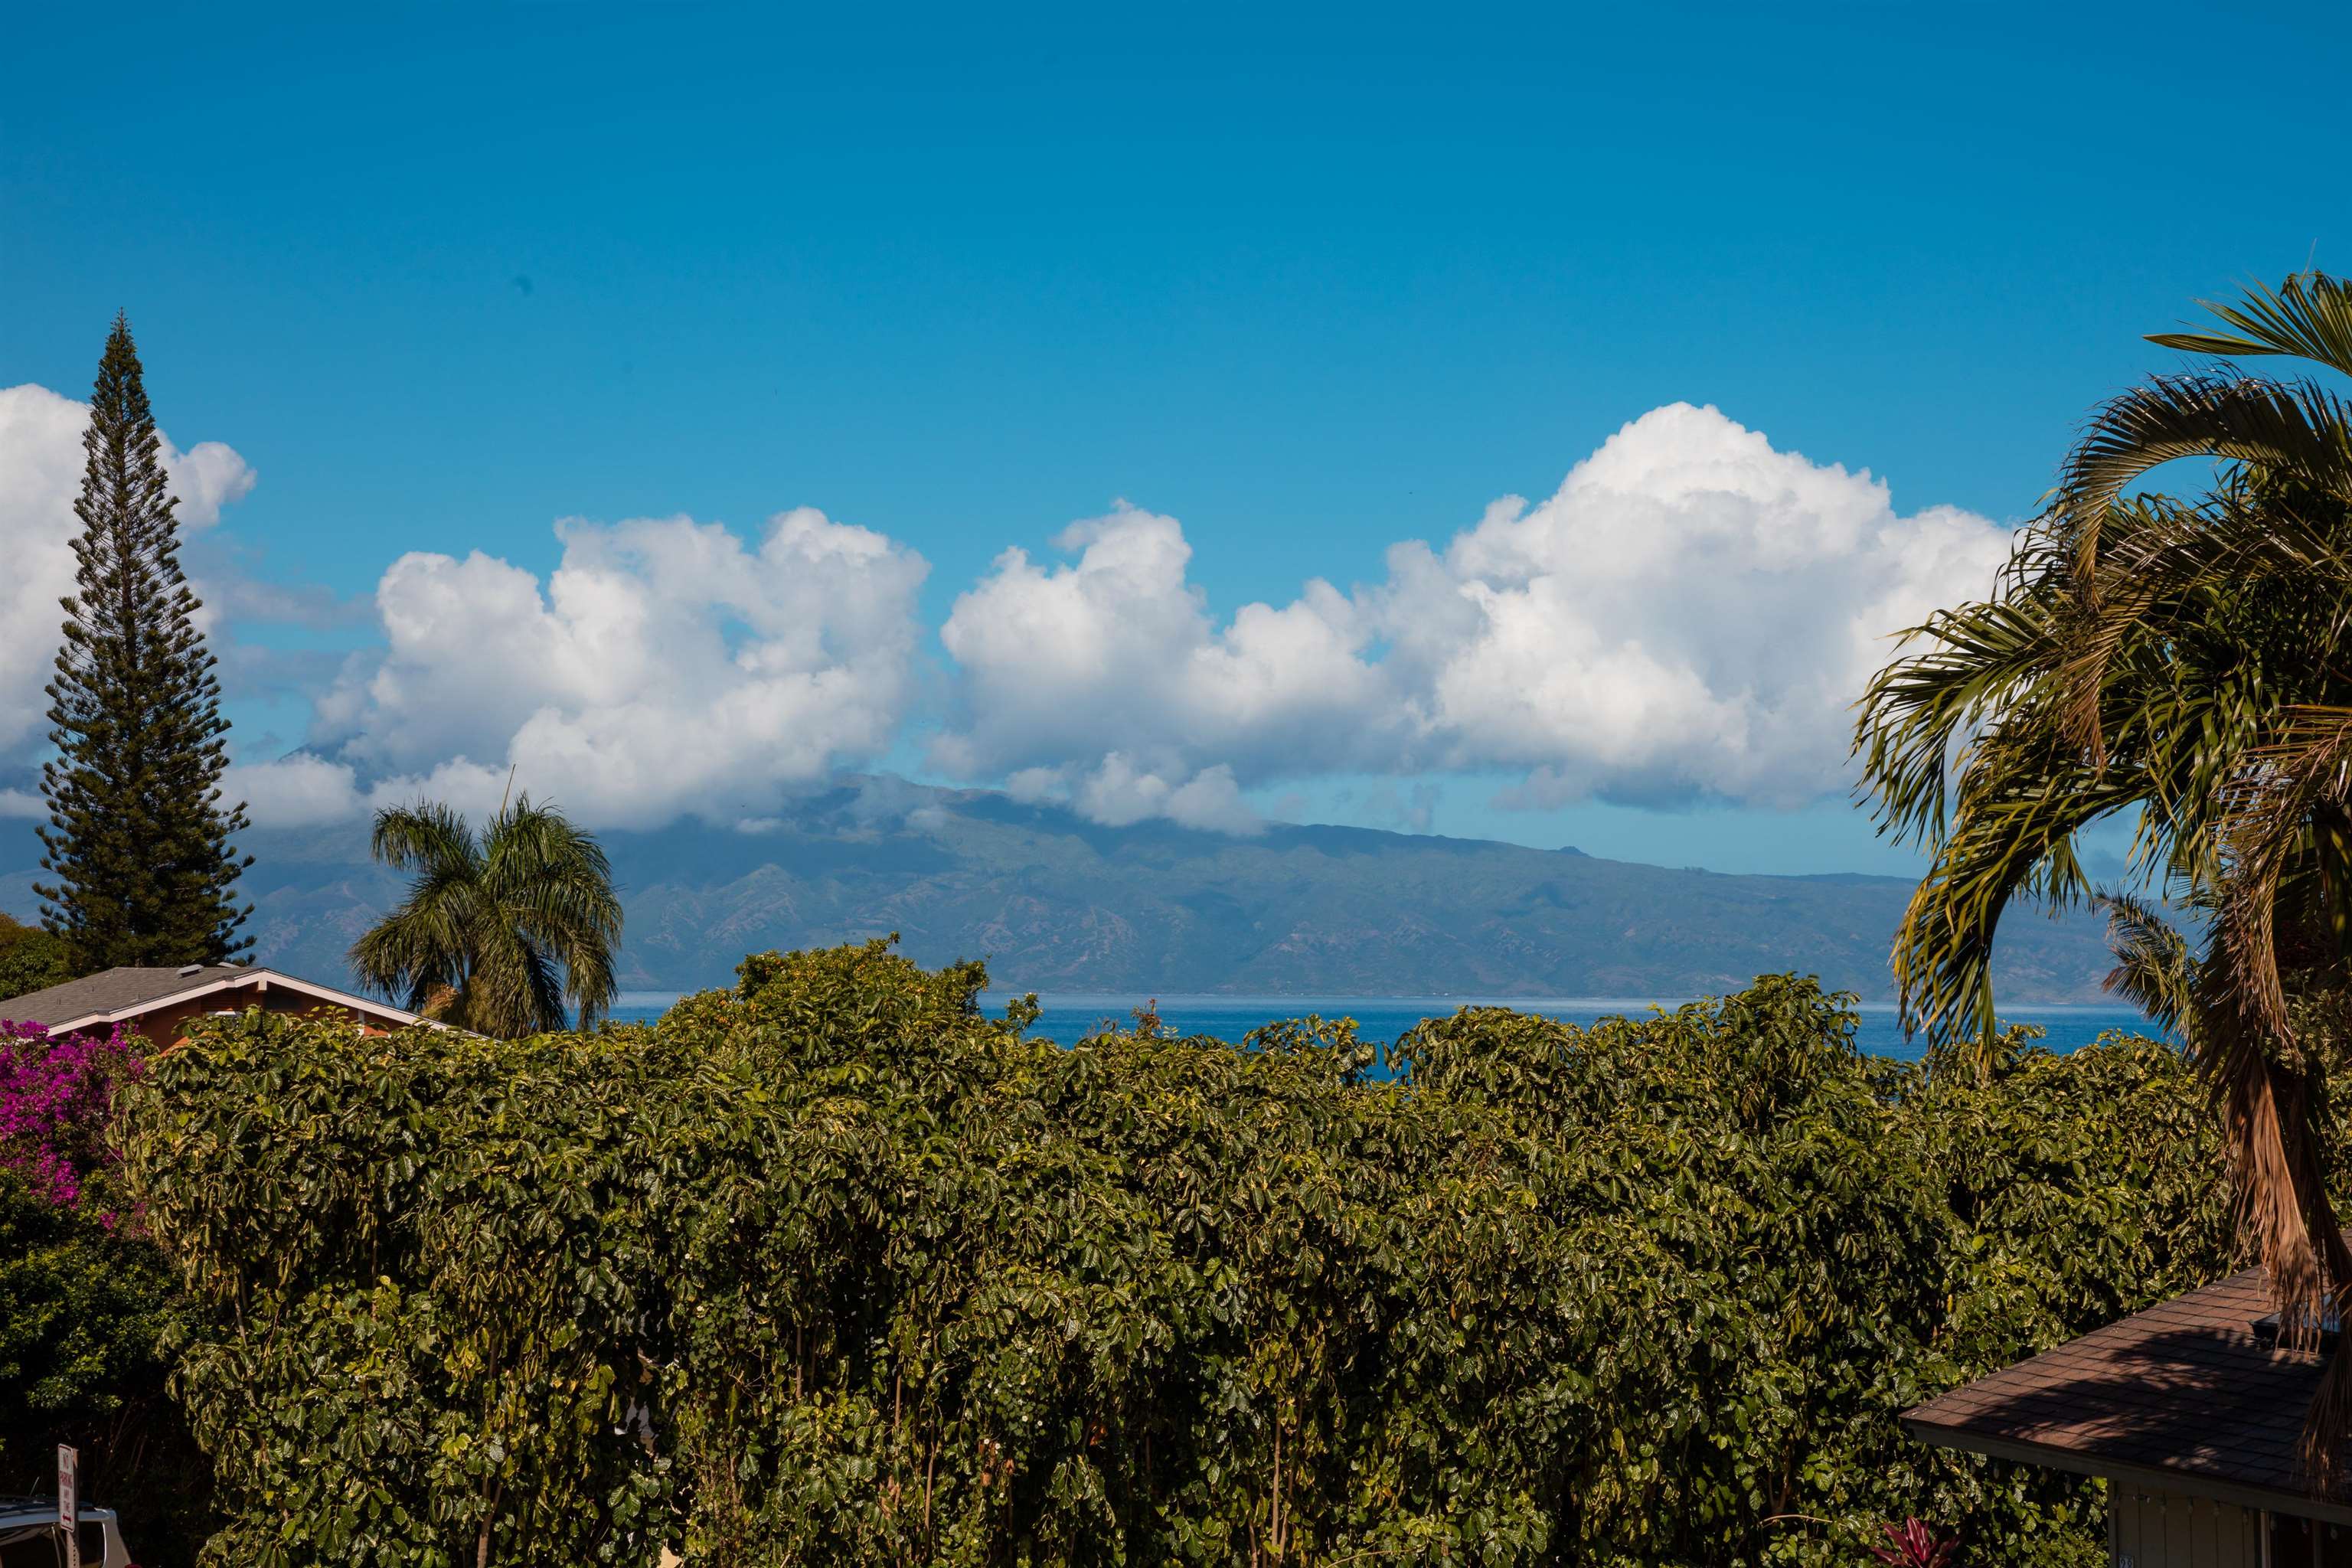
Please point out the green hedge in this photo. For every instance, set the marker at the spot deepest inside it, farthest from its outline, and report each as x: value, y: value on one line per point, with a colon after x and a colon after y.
x: 832, y: 1268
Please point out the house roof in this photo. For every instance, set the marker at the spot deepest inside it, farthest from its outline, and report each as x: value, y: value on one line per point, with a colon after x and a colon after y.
x: 2184, y: 1395
x: 116, y: 996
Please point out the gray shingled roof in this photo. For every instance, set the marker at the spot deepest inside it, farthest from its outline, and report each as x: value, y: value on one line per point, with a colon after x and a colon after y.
x: 114, y: 991
x: 2184, y: 1395
x: 120, y: 993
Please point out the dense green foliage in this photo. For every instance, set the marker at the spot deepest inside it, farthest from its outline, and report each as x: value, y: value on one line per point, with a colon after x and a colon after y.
x: 32, y: 958
x: 88, y: 1312
x: 832, y: 1268
x: 137, y: 840
x: 498, y: 930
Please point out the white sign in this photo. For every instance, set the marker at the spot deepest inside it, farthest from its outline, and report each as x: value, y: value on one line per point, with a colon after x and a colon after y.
x: 69, y: 1503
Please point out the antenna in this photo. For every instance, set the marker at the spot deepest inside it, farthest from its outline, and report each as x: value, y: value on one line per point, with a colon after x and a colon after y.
x: 510, y: 789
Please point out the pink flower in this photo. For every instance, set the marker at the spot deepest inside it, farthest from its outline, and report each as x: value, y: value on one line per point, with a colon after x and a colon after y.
x: 1909, y: 1545
x: 54, y: 1095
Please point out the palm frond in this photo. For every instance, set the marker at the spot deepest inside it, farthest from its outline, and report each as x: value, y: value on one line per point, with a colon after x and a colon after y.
x: 555, y: 884
x: 2309, y: 316
x: 2298, y: 430
x: 513, y: 990
x: 2014, y: 838
x: 426, y: 835
x: 2155, y: 969
x: 1952, y: 672
x: 512, y: 923
x: 2304, y: 772
x: 425, y: 942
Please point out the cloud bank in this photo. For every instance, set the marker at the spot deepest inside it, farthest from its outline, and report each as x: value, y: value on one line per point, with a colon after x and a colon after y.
x: 665, y: 668
x: 1686, y: 619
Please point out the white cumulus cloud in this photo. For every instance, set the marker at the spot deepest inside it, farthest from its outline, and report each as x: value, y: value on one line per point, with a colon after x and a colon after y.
x: 1109, y: 667
x: 40, y: 475
x: 1118, y: 793
x: 299, y: 791
x: 665, y: 667
x: 1689, y: 616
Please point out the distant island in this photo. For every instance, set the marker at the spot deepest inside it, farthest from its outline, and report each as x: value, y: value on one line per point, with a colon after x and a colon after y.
x: 1056, y: 903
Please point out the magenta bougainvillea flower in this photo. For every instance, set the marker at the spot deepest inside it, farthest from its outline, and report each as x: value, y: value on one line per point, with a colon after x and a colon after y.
x: 55, y: 1093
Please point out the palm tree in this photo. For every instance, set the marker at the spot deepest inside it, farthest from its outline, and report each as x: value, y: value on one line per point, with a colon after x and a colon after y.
x: 2183, y: 660
x: 496, y: 932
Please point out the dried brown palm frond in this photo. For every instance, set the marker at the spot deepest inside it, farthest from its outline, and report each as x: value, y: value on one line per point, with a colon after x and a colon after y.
x: 2283, y: 848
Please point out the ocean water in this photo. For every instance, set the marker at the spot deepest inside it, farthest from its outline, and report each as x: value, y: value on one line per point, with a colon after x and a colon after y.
x: 1069, y: 1018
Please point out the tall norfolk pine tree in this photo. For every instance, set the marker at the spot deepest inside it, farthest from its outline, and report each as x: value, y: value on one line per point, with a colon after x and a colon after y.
x: 138, y: 840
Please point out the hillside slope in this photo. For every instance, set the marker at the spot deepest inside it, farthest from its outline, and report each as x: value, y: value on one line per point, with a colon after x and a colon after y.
x: 1058, y: 904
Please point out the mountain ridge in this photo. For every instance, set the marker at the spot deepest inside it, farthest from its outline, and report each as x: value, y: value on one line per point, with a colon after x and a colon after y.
x: 1055, y: 903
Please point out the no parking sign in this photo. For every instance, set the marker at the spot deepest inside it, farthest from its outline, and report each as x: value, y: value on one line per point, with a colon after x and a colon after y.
x: 69, y: 1503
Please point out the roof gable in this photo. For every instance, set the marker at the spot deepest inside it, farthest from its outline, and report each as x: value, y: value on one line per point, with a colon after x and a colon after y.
x: 116, y: 995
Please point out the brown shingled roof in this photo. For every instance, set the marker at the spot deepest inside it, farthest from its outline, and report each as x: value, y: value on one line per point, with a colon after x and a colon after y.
x: 2183, y: 1395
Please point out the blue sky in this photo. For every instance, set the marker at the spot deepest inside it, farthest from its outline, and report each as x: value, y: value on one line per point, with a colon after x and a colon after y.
x: 1312, y: 284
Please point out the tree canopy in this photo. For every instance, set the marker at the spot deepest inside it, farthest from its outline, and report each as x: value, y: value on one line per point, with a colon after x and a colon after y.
x: 32, y: 958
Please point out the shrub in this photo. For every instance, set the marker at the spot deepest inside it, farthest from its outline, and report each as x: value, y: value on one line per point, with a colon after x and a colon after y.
x: 32, y: 958
x: 55, y: 1091
x: 830, y: 1268
x: 89, y: 1307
